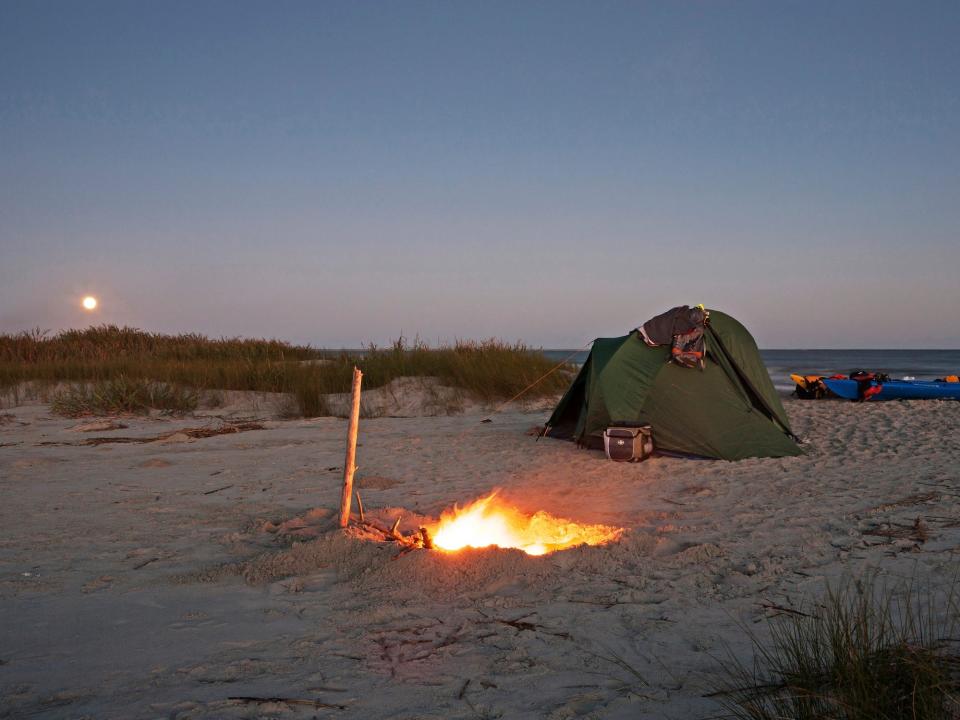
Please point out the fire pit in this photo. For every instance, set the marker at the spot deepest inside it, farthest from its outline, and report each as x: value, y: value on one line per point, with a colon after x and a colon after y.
x: 491, y: 521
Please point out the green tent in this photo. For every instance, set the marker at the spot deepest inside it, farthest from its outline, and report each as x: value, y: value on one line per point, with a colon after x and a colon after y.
x: 728, y: 410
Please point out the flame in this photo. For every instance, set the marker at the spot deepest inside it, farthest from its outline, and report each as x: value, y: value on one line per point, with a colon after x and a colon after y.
x: 490, y: 521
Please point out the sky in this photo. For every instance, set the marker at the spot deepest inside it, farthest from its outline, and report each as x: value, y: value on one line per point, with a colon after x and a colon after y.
x: 341, y: 173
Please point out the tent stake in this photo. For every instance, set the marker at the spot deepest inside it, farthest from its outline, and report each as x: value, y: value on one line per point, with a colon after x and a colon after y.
x: 349, y: 466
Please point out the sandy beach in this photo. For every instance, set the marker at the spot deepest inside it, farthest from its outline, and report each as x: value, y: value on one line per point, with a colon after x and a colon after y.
x: 149, y: 579
x: 719, y: 238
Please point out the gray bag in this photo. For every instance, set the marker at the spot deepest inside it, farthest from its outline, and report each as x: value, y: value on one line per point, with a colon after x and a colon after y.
x: 628, y: 444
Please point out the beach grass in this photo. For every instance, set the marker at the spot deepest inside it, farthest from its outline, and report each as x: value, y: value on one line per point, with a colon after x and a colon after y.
x: 107, y: 365
x: 866, y: 653
x: 123, y: 395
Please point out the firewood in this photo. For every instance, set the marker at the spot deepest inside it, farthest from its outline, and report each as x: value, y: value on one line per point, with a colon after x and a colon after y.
x: 426, y: 539
x: 408, y: 542
x: 375, y: 527
x: 394, y: 532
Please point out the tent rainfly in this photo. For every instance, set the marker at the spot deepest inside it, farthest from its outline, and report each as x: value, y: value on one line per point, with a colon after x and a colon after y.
x: 728, y: 410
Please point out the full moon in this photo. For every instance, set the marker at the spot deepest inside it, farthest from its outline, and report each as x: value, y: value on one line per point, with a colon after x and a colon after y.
x: 89, y: 302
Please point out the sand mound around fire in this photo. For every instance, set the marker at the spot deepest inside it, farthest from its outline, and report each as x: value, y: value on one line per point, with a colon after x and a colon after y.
x: 335, y: 550
x: 379, y: 567
x: 375, y: 566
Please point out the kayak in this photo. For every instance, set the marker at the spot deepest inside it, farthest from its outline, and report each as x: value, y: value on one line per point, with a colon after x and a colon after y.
x: 805, y: 381
x: 810, y: 387
x: 897, y: 389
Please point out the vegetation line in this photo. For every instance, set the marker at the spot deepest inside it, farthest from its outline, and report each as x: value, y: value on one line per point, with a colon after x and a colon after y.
x: 114, y: 369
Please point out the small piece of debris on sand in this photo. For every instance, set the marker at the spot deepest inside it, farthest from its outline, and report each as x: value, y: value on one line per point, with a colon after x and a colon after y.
x: 98, y: 426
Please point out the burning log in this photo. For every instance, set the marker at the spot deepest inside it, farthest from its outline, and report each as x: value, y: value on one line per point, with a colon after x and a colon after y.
x: 425, y: 538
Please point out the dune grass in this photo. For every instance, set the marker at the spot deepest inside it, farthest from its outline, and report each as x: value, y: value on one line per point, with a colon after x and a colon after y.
x: 868, y: 653
x: 107, y: 362
x: 123, y: 395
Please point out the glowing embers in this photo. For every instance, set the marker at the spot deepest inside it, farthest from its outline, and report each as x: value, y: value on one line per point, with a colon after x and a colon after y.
x: 490, y: 521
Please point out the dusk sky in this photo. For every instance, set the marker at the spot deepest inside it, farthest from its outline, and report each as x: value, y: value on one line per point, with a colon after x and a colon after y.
x: 340, y: 173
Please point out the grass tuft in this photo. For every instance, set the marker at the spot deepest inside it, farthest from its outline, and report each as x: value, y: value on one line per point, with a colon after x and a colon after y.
x: 867, y: 653
x: 123, y: 395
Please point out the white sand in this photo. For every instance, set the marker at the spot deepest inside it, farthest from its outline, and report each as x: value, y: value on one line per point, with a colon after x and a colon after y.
x: 142, y: 580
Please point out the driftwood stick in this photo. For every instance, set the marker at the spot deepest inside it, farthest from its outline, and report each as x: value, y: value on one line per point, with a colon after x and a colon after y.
x: 288, y: 701
x: 349, y: 464
x: 374, y: 525
x: 359, y: 505
x: 400, y: 537
x: 782, y: 609
x: 390, y: 534
x: 211, y: 492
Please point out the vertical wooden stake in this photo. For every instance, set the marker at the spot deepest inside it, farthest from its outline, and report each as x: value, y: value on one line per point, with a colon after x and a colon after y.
x: 349, y: 465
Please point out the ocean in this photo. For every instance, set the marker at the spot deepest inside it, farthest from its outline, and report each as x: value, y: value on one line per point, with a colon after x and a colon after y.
x: 919, y: 364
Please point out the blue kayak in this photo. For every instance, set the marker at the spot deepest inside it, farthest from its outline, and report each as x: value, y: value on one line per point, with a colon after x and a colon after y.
x: 897, y: 389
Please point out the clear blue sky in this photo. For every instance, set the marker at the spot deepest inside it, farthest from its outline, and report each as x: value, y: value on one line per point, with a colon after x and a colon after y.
x: 339, y: 173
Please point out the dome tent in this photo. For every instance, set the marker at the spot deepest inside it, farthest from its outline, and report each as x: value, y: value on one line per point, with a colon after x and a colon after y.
x: 728, y: 410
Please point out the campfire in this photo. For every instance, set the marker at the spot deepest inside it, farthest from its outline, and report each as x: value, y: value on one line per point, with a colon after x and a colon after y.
x: 486, y: 522
x: 491, y: 521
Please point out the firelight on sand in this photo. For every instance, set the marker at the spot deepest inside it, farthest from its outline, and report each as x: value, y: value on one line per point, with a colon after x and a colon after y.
x: 89, y: 302
x: 490, y: 521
